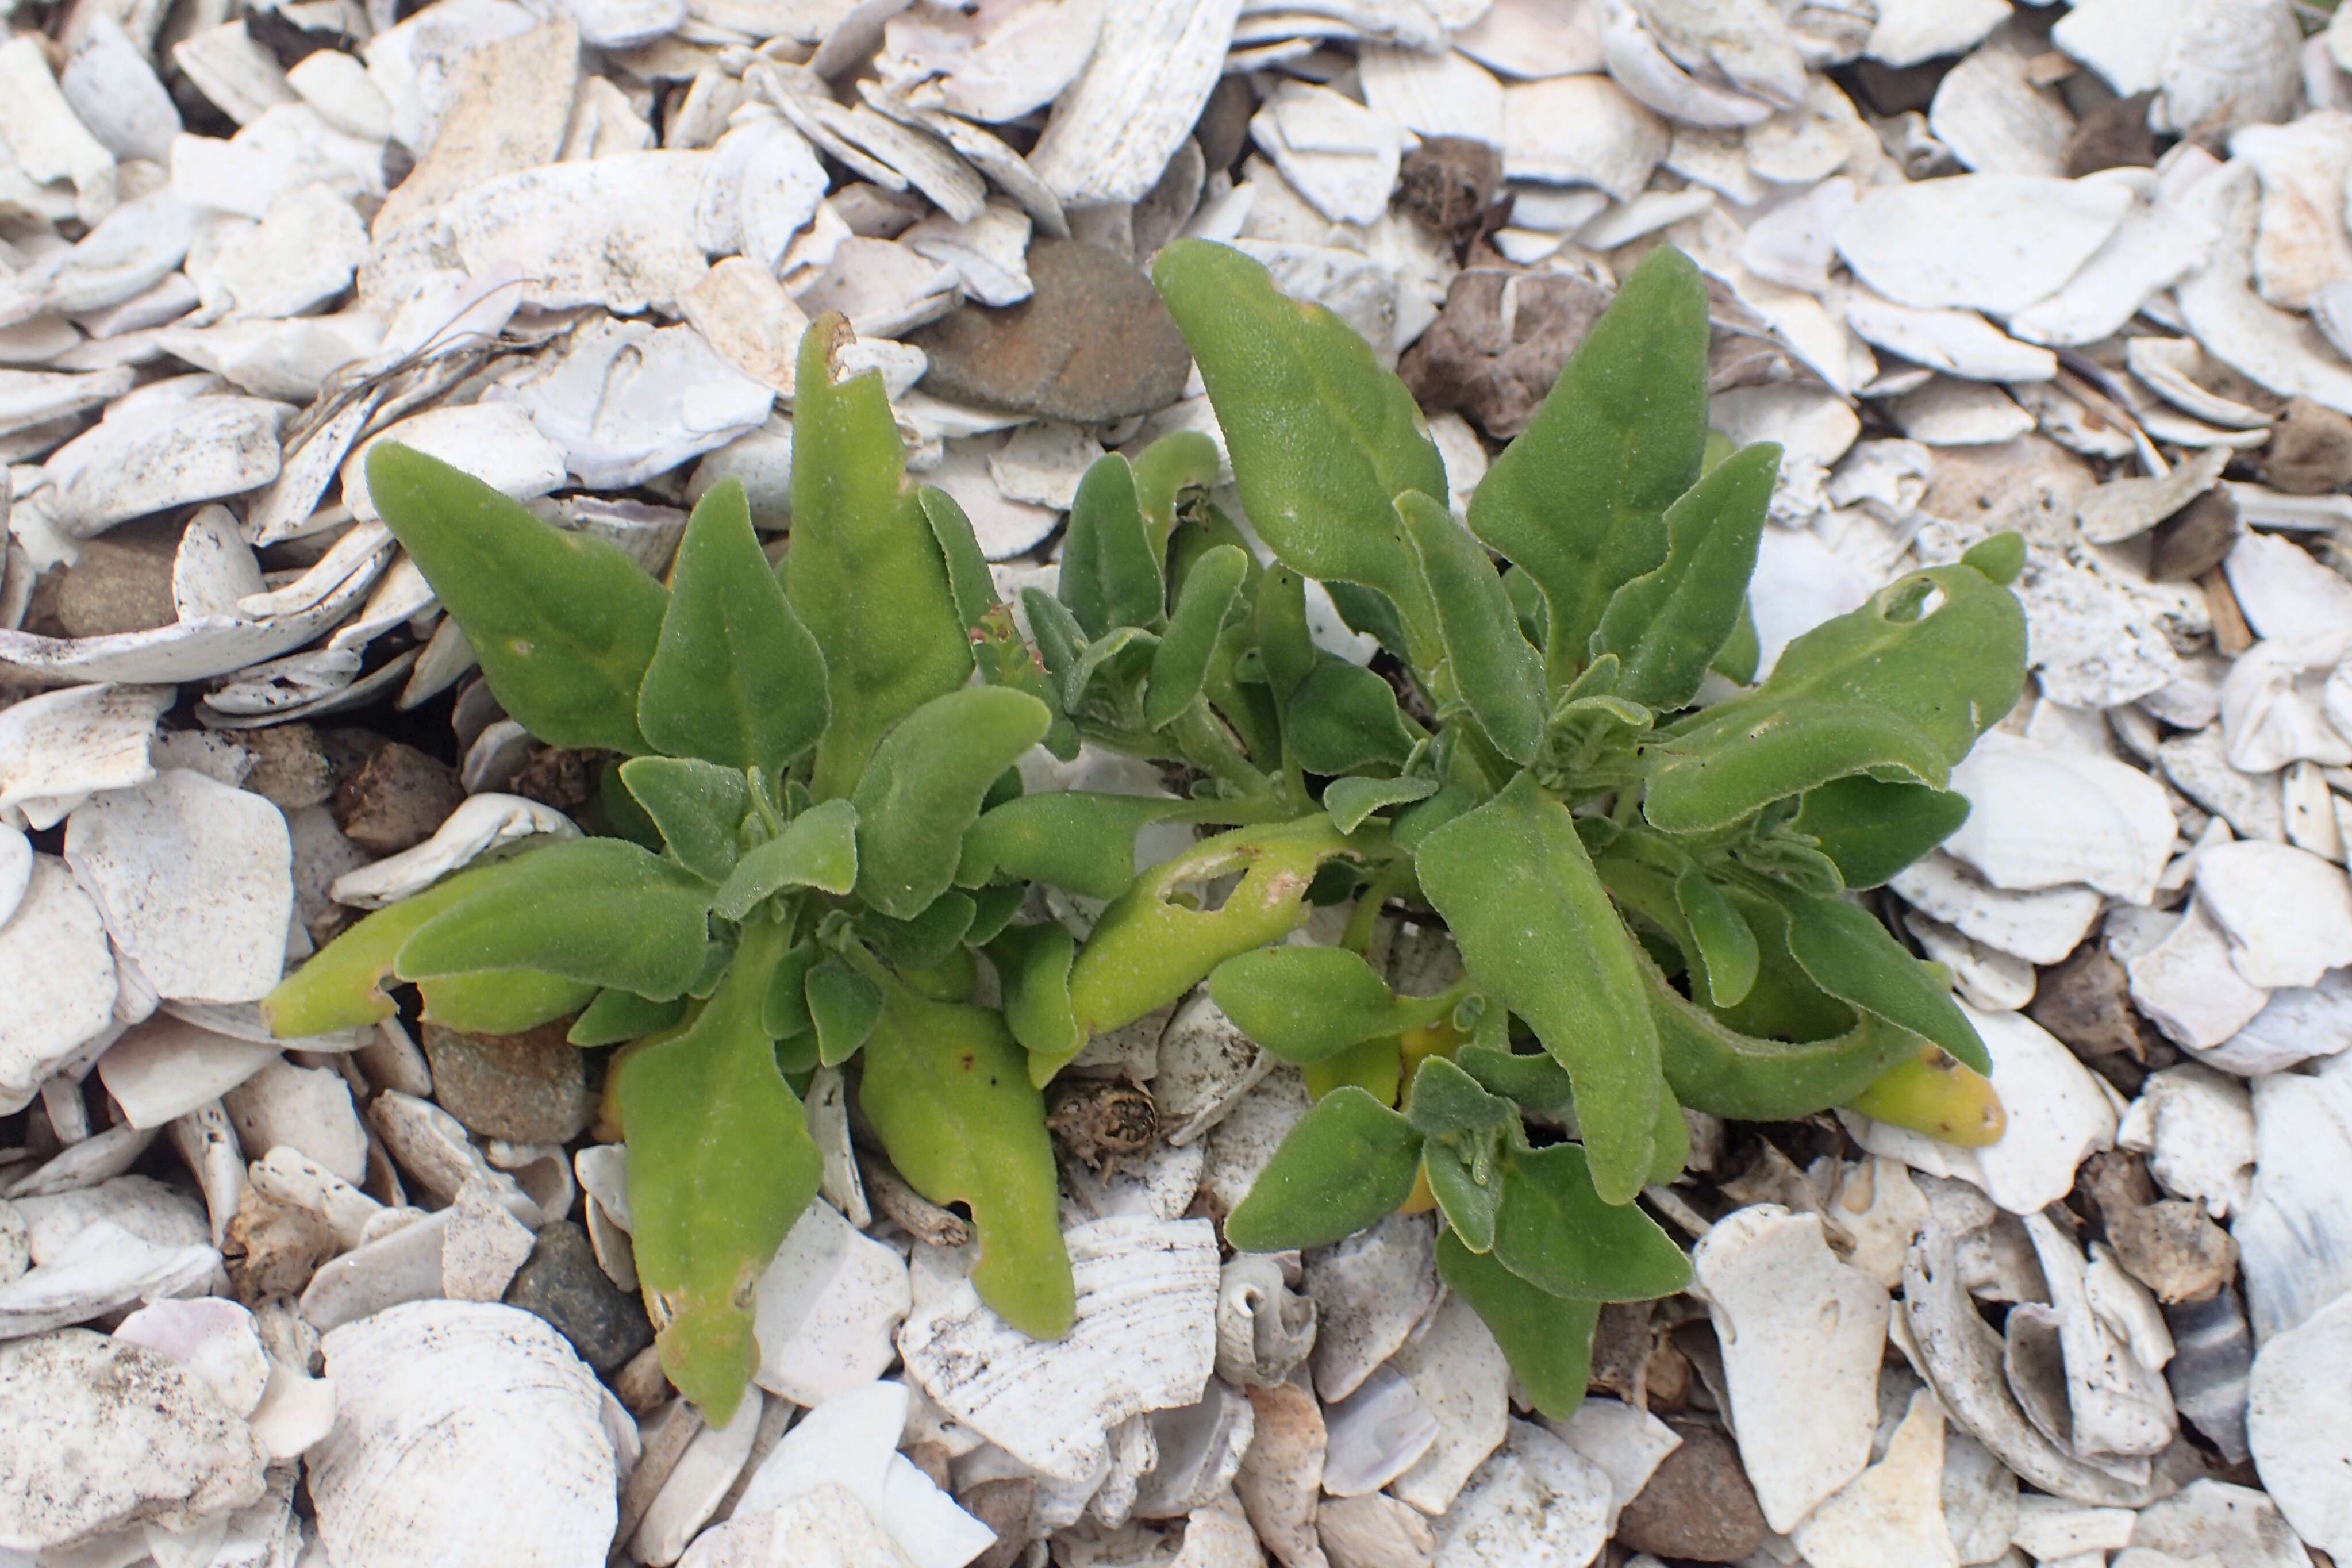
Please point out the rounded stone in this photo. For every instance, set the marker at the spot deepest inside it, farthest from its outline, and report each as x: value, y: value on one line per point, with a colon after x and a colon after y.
x: 1698, y: 1505
x: 530, y: 1087
x: 562, y: 1283
x: 122, y: 583
x: 396, y: 798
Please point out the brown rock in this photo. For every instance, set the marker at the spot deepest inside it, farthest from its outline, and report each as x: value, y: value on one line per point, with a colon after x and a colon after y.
x: 1093, y: 343
x: 1896, y: 89
x: 1448, y: 182
x: 530, y: 1087
x: 1223, y: 128
x: 290, y: 769
x: 554, y: 776
x: 2113, y: 136
x: 2117, y: 1183
x: 396, y: 798
x: 1497, y: 374
x: 2310, y: 449
x: 1009, y: 1507
x: 2192, y: 541
x: 2175, y: 1249
x: 1623, y: 1343
x: 2084, y: 1001
x: 121, y: 583
x: 1698, y: 1504
x: 272, y: 1248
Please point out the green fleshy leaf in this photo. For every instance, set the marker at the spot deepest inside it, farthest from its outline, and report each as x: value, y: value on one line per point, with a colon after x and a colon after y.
x: 818, y: 849
x: 784, y: 1007
x: 843, y: 1005
x: 720, y: 1164
x: 1871, y: 830
x: 342, y: 985
x: 1077, y: 840
x: 1547, y: 1340
x: 1850, y: 955
x: 866, y: 575
x: 564, y: 625
x: 1668, y: 625
x: 593, y: 909
x: 1578, y: 501
x: 698, y: 806
x: 1284, y: 649
x: 501, y: 1001
x: 969, y: 582
x: 1557, y: 1233
x: 1110, y: 567
x: 1715, y: 1068
x: 1498, y: 671
x: 1303, y: 1004
x: 617, y: 1016
x: 1006, y: 660
x: 923, y: 790
x: 993, y: 906
x: 1180, y: 664
x: 925, y: 942
x: 736, y: 679
x: 1743, y: 651
x: 1349, y: 1162
x: 948, y: 1091
x: 1343, y: 716
x: 1713, y: 779
x: 1180, y: 463
x: 1033, y: 965
x: 1537, y: 928
x: 1727, y: 952
x: 1353, y: 800
x: 1322, y: 437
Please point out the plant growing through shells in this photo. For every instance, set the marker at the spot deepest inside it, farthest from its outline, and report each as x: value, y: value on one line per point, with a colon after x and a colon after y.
x: 1562, y: 761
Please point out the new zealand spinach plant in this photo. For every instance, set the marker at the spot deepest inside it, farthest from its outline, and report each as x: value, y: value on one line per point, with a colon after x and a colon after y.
x: 1644, y: 878
x: 804, y: 755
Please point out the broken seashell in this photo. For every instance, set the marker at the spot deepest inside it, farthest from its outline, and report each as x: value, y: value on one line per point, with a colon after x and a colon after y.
x: 609, y: 231
x: 827, y: 1308
x: 1369, y: 1292
x: 484, y: 822
x: 1456, y: 1368
x: 2186, y: 985
x: 697, y: 1484
x: 1892, y: 1511
x: 825, y: 1527
x: 2297, y: 1427
x: 2045, y: 818
x: 495, y: 442
x: 2287, y: 914
x: 164, y: 1068
x: 2294, y: 1240
x: 1958, y: 342
x: 850, y: 1442
x: 1113, y: 131
x: 1200, y: 1449
x: 150, y: 456
x: 2165, y: 363
x: 59, y: 748
x: 1337, y: 154
x: 626, y: 401
x: 2040, y: 927
x: 2286, y: 596
x: 1581, y: 130
x: 994, y: 66
x: 1922, y: 244
x: 2196, y: 1128
x: 2124, y: 508
x: 1535, y: 1500
x: 2227, y: 64
x: 472, y: 1373
x: 2278, y: 351
x: 2109, y: 1406
x: 1263, y: 1331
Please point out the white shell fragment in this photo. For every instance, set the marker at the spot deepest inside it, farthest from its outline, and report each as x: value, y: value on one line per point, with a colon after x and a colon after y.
x: 1535, y: 1500
x: 850, y: 1443
x: 2287, y: 914
x: 1801, y: 1335
x: 1987, y: 242
x: 2299, y: 1429
x: 1112, y: 131
x: 1144, y: 1340
x: 421, y: 1465
x: 195, y: 880
x: 484, y: 822
x: 827, y: 1308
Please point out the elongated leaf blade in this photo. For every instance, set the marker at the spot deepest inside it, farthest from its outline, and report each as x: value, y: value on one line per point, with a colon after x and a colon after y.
x: 617, y: 1016
x: 1110, y: 568
x: 1547, y: 1340
x: 342, y: 985
x: 501, y: 1001
x: 1353, y: 800
x: 1322, y: 437
x: 843, y: 1005
x: 867, y: 576
x: 1668, y: 625
x: 1556, y: 1232
x: 565, y: 625
x: 1853, y: 958
x: 1711, y: 778
x: 1579, y: 501
x: 736, y: 680
x: 818, y: 848
x: 1727, y: 951
x: 1871, y: 830
x: 720, y: 1165
x: 947, y: 1089
x: 1498, y: 671
x: 698, y: 805
x: 1348, y: 1162
x: 1180, y: 664
x: 1033, y: 966
x: 1076, y: 840
x: 1303, y: 1004
x: 595, y: 910
x: 1536, y: 927
x: 923, y: 790
x: 1343, y: 716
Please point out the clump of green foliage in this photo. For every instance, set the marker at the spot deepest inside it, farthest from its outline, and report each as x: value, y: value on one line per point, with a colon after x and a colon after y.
x: 1645, y: 888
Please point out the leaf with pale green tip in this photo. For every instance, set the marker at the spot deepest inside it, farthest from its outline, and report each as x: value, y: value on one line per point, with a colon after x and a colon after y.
x: 564, y: 625
x: 947, y: 1089
x: 600, y: 910
x: 1114, y: 664
x: 843, y: 1005
x: 1713, y: 778
x: 501, y: 1001
x: 1322, y: 437
x: 1353, y: 800
x: 1466, y: 1129
x: 1111, y: 565
x: 1343, y: 716
x: 1348, y: 1162
x: 1497, y: 669
x: 736, y: 679
x: 720, y: 1165
x: 1579, y: 500
x: 698, y: 805
x: 1871, y: 830
x: 1557, y: 1232
x: 617, y: 1016
x: 867, y: 576
x: 1717, y: 1068
x: 1547, y: 1339
x: 1535, y: 1081
x: 1005, y: 658
x: 1180, y: 665
x: 1303, y: 1004
x: 1538, y: 929
x: 818, y: 849
x: 925, y: 942
x: 1178, y: 462
x: 969, y: 582
x: 1727, y: 953
x: 923, y: 791
x: 1033, y: 966
x: 1081, y: 841
x: 342, y: 985
x: 784, y: 1009
x: 1847, y: 954
x: 1667, y: 625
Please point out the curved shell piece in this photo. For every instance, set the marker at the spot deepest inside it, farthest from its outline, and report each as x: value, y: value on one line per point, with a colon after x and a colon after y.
x: 468, y: 1435
x: 1263, y: 1328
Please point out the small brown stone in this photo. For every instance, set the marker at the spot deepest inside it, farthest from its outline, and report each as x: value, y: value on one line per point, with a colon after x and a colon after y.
x: 1499, y: 376
x: 2116, y: 1182
x: 272, y: 1248
x: 2083, y: 1000
x: 290, y: 769
x: 554, y: 776
x: 1223, y: 128
x: 1448, y: 182
x: 1698, y: 1504
x: 1897, y: 90
x: 530, y: 1087
x: 2192, y: 541
x: 2175, y: 1249
x: 2310, y: 449
x: 121, y: 582
x: 1623, y: 1343
x: 1009, y: 1507
x: 2113, y: 136
x: 1092, y: 343
x: 396, y: 798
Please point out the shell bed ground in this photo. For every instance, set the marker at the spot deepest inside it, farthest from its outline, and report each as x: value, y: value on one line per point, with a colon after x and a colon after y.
x: 368, y: 1300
